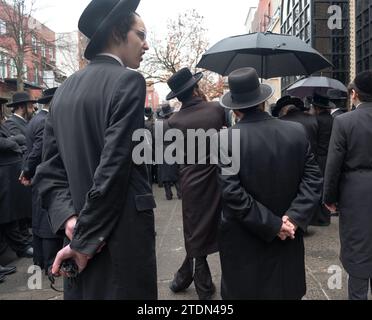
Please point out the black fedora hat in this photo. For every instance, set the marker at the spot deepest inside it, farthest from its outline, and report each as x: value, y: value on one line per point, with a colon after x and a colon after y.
x: 20, y: 98
x: 3, y: 101
x: 286, y: 101
x: 245, y: 90
x: 47, y: 95
x: 182, y: 81
x: 322, y: 102
x: 166, y: 110
x: 97, y: 19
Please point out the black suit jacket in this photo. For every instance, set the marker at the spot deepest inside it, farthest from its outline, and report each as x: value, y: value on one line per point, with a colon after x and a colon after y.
x: 34, y: 138
x: 18, y: 127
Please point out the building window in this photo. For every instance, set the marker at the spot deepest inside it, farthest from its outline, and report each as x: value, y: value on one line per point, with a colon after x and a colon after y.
x: 34, y: 44
x: 2, y: 27
x: 43, y: 50
x: 3, y: 66
x: 13, y: 69
x: 36, y: 73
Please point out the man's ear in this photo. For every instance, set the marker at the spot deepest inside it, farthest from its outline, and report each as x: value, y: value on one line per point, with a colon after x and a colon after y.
x: 354, y: 95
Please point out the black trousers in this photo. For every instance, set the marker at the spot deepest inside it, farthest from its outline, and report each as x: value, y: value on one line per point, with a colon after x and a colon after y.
x: 358, y: 288
x: 45, y: 251
x: 11, y: 234
x: 168, y: 189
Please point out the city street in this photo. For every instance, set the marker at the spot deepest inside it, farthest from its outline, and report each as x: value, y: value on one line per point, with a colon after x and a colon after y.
x: 322, y: 249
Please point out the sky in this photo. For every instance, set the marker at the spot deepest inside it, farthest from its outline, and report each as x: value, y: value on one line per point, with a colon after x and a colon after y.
x: 222, y: 18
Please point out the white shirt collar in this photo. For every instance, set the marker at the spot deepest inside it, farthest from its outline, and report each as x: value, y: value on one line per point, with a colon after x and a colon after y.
x: 17, y: 115
x: 46, y: 110
x: 112, y: 56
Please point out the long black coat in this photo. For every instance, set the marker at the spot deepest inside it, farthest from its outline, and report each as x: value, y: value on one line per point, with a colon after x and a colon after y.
x: 15, y: 199
x: 325, y: 123
x: 278, y: 175
x: 34, y: 138
x: 88, y: 170
x: 348, y: 182
x: 309, y: 122
x: 17, y: 126
x: 201, y: 195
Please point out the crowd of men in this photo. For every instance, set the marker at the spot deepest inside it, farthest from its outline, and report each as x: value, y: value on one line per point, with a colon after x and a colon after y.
x: 300, y: 163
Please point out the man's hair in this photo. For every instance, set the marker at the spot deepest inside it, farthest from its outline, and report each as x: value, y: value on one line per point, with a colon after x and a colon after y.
x: 187, y: 95
x: 362, y: 97
x: 250, y: 109
x: 121, y: 28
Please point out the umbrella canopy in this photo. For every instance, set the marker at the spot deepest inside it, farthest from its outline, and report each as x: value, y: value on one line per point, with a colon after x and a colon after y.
x: 308, y: 86
x: 271, y: 54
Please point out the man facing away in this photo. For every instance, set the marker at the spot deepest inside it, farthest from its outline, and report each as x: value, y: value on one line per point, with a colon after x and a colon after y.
x: 201, y: 196
x: 93, y: 191
x: 348, y: 183
x: 268, y: 204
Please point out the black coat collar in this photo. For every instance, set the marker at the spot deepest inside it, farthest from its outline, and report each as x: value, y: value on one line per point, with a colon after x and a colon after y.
x: 256, y: 116
x: 192, y: 102
x: 105, y: 59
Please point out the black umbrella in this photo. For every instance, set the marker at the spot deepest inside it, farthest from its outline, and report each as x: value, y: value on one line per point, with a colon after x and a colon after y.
x: 308, y: 86
x: 272, y: 55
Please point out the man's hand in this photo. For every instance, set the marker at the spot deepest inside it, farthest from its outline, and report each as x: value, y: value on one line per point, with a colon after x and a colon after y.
x: 288, y: 229
x: 80, y: 259
x: 332, y: 208
x: 25, y: 182
x: 70, y: 227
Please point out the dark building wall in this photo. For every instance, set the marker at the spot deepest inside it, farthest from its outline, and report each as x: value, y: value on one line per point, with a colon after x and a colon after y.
x: 308, y: 20
x: 363, y: 26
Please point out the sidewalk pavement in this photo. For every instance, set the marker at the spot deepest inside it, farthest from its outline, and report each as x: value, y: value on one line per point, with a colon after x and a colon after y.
x: 322, y: 263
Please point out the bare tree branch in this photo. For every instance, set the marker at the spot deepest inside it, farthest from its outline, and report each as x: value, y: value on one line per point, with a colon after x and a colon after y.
x: 183, y: 46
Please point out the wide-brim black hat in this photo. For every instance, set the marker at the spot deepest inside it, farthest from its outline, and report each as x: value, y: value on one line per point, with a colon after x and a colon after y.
x: 322, y: 102
x: 181, y: 82
x: 98, y: 18
x: 3, y: 101
x: 47, y: 96
x: 245, y: 90
x: 20, y: 98
x: 286, y: 101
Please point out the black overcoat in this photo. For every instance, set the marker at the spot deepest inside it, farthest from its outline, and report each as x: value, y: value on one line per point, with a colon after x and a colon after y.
x: 88, y: 170
x: 17, y: 126
x: 34, y: 138
x: 348, y: 182
x: 309, y: 122
x: 278, y: 175
x: 201, y: 195
x: 15, y: 199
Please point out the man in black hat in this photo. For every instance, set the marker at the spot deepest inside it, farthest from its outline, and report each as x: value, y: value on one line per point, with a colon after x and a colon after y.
x: 88, y: 182
x: 10, y: 156
x: 198, y: 181
x: 45, y: 243
x: 348, y: 185
x: 168, y: 174
x: 293, y: 109
x: 269, y: 202
x: 23, y: 109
